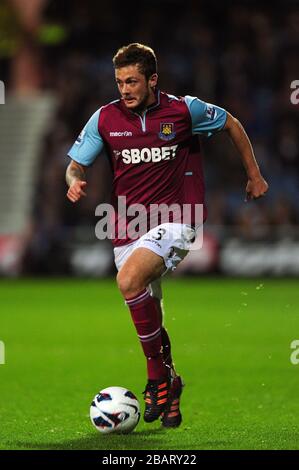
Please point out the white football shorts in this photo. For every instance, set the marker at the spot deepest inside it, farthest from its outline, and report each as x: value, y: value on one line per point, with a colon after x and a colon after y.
x: 171, y: 241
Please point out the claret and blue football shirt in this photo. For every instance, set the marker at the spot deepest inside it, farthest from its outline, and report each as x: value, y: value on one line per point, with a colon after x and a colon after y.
x: 155, y: 157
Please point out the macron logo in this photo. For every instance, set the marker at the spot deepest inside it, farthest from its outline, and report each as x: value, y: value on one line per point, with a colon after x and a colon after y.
x: 121, y: 134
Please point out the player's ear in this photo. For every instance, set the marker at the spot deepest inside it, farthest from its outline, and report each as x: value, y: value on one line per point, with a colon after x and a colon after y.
x: 153, y: 80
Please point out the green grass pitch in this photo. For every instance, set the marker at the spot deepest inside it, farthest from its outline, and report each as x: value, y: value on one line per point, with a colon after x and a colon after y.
x: 67, y: 339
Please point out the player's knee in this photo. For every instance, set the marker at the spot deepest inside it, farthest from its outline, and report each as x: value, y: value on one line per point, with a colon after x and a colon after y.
x: 128, y: 284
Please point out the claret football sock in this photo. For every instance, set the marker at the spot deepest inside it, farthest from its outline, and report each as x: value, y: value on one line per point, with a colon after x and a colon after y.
x: 166, y: 344
x: 147, y: 322
x: 166, y: 349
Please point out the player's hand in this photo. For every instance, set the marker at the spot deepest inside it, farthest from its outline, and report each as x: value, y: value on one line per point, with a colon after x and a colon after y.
x: 75, y: 191
x: 256, y: 187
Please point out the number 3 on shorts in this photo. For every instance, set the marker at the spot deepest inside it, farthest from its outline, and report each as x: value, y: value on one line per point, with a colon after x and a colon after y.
x: 160, y: 234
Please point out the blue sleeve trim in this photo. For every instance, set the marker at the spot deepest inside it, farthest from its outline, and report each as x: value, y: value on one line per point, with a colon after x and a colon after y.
x: 89, y: 143
x: 207, y: 119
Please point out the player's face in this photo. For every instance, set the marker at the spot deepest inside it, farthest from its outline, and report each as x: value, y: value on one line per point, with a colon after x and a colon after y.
x: 136, y: 91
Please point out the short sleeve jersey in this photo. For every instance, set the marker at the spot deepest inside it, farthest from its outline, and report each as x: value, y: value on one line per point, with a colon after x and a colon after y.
x: 156, y: 157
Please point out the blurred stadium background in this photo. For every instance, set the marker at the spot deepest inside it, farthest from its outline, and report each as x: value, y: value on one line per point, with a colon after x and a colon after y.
x: 66, y: 339
x: 55, y: 62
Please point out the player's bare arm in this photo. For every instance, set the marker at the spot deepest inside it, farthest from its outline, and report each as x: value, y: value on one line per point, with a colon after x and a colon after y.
x: 75, y: 178
x: 256, y: 186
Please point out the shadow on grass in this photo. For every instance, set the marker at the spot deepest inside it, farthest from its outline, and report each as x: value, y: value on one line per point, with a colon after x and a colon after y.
x: 144, y: 440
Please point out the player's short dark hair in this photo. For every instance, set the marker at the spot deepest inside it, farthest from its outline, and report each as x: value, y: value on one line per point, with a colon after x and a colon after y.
x: 137, y: 54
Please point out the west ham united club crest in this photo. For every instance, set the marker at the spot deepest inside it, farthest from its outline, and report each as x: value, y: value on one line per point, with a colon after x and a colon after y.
x: 166, y: 131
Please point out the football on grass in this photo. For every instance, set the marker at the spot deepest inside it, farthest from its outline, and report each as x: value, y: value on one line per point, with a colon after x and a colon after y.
x: 115, y: 409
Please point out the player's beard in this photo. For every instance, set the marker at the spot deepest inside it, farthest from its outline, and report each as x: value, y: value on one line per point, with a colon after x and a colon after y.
x: 142, y: 105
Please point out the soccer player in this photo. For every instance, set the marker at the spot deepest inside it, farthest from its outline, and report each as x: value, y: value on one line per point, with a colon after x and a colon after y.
x: 151, y: 139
